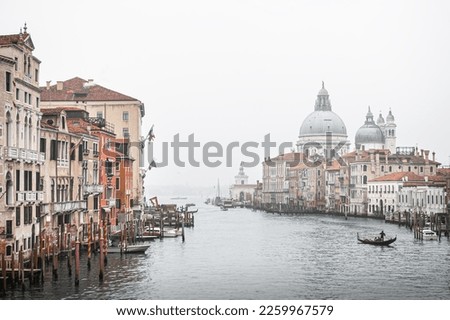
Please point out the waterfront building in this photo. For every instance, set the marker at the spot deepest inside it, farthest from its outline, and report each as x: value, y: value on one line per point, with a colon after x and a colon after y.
x: 124, y: 111
x: 370, y: 164
x: 69, y: 168
x: 275, y: 190
x: 402, y: 191
x: 322, y: 131
x: 425, y: 196
x: 333, y: 185
x: 21, y: 162
x: 241, y: 190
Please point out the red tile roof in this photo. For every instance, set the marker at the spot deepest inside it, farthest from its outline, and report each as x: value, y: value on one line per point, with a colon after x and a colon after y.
x: 57, y: 110
x: 412, y: 178
x: 13, y: 38
x: 398, y: 176
x: 75, y: 89
x: 79, y: 126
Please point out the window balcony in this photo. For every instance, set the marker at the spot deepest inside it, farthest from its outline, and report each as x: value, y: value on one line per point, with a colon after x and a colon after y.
x: 92, y: 188
x: 63, y: 163
x: 59, y: 207
x: 14, y: 153
x: 30, y: 196
x: 112, y: 202
x: 20, y: 197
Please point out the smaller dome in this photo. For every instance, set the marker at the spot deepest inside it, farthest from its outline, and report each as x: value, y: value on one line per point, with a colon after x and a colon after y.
x: 323, y: 91
x: 369, y: 134
x: 390, y: 118
x: 380, y: 119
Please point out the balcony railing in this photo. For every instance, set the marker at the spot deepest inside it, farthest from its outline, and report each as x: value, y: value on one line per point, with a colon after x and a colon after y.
x: 92, y: 188
x: 112, y: 202
x: 20, y: 196
x: 62, y: 162
x: 53, y: 208
x: 14, y: 153
x: 29, y: 196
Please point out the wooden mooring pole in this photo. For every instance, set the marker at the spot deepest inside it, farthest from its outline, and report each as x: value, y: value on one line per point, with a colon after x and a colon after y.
x: 3, y: 273
x: 89, y: 247
x: 21, y: 269
x: 69, y: 254
x: 102, y: 261
x: 77, y: 261
x: 13, y: 269
x: 55, y: 262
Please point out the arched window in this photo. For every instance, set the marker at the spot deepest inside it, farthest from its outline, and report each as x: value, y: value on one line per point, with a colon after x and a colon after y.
x: 52, y: 191
x: 18, y: 137
x: 364, y: 179
x: 364, y: 168
x: 9, y: 189
x: 9, y: 138
x: 30, y: 135
x: 25, y: 129
x: 63, y: 122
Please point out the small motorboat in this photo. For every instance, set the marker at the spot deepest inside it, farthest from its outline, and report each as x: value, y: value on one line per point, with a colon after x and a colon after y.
x: 130, y: 248
x: 376, y: 240
x: 428, y: 234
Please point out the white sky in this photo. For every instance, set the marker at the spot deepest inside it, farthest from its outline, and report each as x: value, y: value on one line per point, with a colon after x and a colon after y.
x: 237, y: 70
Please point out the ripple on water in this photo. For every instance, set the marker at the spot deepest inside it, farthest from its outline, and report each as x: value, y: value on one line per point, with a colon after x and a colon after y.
x: 241, y: 254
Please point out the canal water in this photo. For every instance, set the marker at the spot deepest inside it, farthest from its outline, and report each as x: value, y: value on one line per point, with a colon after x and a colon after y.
x: 240, y: 254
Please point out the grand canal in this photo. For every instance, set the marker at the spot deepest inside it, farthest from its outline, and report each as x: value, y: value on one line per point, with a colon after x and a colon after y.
x: 240, y: 254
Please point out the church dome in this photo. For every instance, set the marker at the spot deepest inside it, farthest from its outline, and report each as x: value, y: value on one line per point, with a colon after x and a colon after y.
x: 380, y: 120
x: 390, y: 118
x: 323, y: 119
x: 321, y: 122
x: 369, y: 134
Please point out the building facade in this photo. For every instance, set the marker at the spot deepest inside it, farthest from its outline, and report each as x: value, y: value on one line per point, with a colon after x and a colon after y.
x: 21, y: 164
x: 123, y: 111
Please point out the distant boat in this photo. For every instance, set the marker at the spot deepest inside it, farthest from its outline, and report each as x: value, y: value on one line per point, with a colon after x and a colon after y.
x: 223, y: 208
x: 178, y: 198
x: 376, y: 240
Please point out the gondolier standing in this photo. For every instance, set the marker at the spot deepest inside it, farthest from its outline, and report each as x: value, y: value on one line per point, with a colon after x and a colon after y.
x: 382, y: 234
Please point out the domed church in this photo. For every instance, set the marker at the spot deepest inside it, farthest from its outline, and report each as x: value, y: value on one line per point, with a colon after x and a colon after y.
x: 380, y: 135
x: 322, y: 129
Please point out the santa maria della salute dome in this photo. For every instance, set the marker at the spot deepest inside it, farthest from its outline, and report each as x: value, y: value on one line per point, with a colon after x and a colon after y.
x: 322, y: 129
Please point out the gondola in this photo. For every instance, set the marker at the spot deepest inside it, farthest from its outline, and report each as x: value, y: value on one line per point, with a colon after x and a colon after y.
x: 376, y: 241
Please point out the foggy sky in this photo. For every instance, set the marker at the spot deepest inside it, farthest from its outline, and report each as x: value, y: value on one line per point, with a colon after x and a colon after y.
x: 238, y: 70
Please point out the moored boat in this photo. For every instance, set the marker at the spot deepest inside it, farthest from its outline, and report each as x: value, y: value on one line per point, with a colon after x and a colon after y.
x: 428, y: 234
x: 131, y: 248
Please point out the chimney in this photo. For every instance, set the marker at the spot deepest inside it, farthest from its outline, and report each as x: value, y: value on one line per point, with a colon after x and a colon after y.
x: 59, y: 85
x: 421, y: 153
x: 427, y: 154
x: 433, y: 156
x: 48, y: 85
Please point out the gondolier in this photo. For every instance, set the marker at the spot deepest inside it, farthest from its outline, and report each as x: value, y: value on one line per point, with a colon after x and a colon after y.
x: 382, y: 234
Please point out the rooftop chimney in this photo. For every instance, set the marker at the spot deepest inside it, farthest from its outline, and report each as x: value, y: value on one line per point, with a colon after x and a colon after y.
x: 427, y: 154
x: 48, y: 85
x: 59, y: 85
x: 434, y: 156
